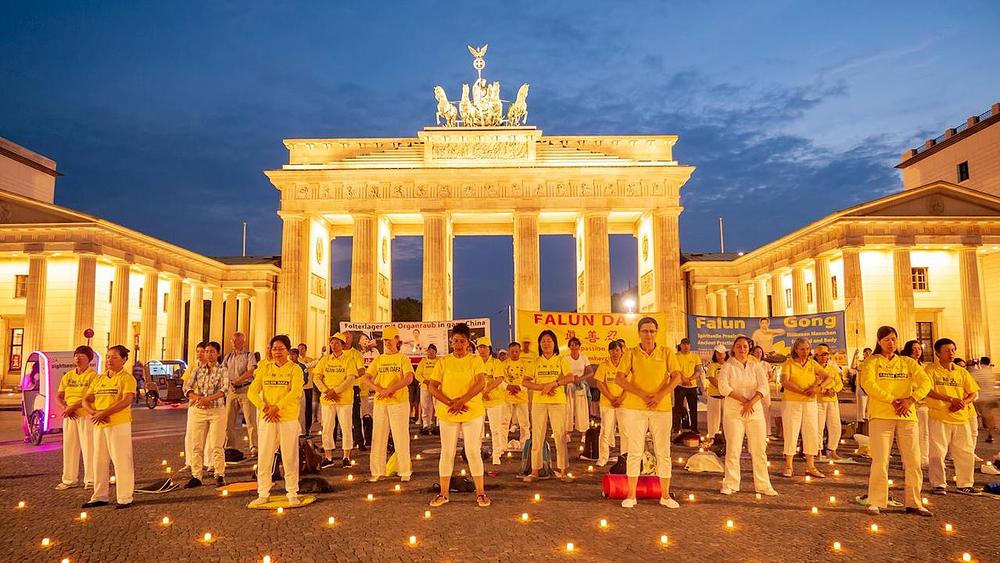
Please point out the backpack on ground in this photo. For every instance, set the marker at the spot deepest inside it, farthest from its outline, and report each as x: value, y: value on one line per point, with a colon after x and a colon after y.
x: 546, y: 469
x: 310, y: 457
x: 591, y: 441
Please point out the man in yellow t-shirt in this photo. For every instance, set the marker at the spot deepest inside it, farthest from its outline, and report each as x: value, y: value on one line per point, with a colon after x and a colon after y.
x: 334, y: 377
x: 424, y: 369
x: 493, y: 396
x: 515, y: 393
x: 390, y: 375
x: 950, y: 408
x: 687, y: 390
x: 78, y: 430
x: 109, y: 403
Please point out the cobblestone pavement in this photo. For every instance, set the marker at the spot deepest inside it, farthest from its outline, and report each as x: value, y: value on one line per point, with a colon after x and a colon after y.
x: 779, y: 528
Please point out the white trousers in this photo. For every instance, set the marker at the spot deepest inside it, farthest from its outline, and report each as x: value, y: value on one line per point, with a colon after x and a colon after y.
x: 426, y: 407
x: 828, y: 416
x: 206, y: 432
x: 658, y: 423
x: 923, y: 417
x: 754, y: 428
x: 958, y: 439
x: 78, y: 437
x: 518, y: 414
x: 393, y: 418
x: 472, y: 440
x: 611, y: 420
x: 800, y: 417
x: 239, y: 403
x: 544, y: 415
x: 329, y: 415
x: 882, y: 432
x: 714, y: 415
x: 275, y: 436
x: 113, y: 444
x: 577, y: 411
x: 498, y: 432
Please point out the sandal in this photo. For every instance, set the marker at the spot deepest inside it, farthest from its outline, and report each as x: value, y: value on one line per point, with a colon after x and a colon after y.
x: 439, y: 500
x: 483, y: 501
x: 815, y: 473
x: 787, y: 472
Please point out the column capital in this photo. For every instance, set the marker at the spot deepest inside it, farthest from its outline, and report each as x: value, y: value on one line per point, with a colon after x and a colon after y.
x: 286, y: 215
x: 672, y: 211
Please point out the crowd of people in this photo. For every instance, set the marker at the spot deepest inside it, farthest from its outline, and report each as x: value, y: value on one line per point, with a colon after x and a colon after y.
x: 648, y: 389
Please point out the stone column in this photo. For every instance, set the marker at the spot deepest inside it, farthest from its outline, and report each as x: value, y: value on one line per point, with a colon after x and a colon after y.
x: 744, y: 299
x: 196, y: 321
x: 972, y: 303
x: 34, y: 304
x: 148, y: 341
x: 711, y: 303
x: 722, y: 303
x: 229, y: 323
x: 119, y: 306
x: 293, y: 286
x: 86, y: 296
x: 854, y: 307
x: 364, y: 268
x: 263, y: 311
x: 175, y: 319
x: 777, y: 294
x: 596, y: 264
x: 800, y: 305
x: 215, y: 316
x: 903, y: 283
x: 760, y: 299
x: 667, y: 271
x: 437, y: 290
x: 243, y: 306
x: 527, y: 292
x: 732, y: 300
x: 699, y: 305
x: 824, y: 291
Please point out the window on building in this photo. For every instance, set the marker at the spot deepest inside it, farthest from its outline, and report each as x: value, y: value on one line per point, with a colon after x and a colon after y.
x: 963, y: 171
x: 20, y: 287
x: 834, y: 292
x: 925, y: 336
x: 788, y: 298
x: 16, y: 352
x: 919, y: 276
x: 809, y: 293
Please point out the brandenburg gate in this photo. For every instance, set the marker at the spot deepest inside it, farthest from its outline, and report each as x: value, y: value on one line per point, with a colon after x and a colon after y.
x: 480, y: 171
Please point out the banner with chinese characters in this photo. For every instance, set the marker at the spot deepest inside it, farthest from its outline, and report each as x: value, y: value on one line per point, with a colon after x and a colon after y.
x: 594, y: 330
x: 773, y: 334
x: 414, y: 337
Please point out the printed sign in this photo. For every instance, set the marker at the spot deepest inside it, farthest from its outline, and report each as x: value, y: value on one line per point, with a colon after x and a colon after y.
x: 414, y: 337
x: 594, y: 330
x: 772, y: 334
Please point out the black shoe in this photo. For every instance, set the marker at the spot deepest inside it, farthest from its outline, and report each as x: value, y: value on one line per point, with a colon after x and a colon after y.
x: 119, y: 506
x: 436, y: 431
x: 220, y: 480
x: 194, y: 482
x: 346, y: 462
x: 326, y: 463
x: 940, y: 490
x: 919, y: 511
x: 94, y: 503
x: 362, y: 447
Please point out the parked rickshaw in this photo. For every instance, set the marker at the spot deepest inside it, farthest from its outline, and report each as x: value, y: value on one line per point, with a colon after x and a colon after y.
x: 41, y: 374
x: 164, y: 384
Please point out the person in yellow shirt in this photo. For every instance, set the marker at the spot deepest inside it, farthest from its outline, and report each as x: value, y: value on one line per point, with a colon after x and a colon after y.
x: 457, y: 383
x: 894, y: 384
x: 950, y: 408
x: 649, y: 387
x: 389, y: 375
x: 424, y: 369
x: 802, y: 379
x: 515, y: 393
x: 547, y: 378
x: 687, y: 390
x: 108, y: 401
x: 828, y: 403
x: 715, y: 399
x: 334, y: 376
x: 276, y: 392
x: 78, y: 430
x: 492, y: 371
x: 612, y: 396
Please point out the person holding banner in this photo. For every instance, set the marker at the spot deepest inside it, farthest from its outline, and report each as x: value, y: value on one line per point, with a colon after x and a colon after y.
x: 389, y: 375
x: 424, y: 369
x: 493, y: 398
x: 743, y: 383
x: 802, y: 379
x: 334, y: 377
x: 715, y: 398
x: 516, y: 394
x: 457, y: 383
x: 612, y: 396
x: 547, y: 377
x: 649, y: 390
x: 828, y: 405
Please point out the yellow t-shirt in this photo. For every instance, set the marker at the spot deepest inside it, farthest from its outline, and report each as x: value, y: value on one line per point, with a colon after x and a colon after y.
x: 608, y: 372
x: 886, y: 380
x: 360, y: 360
x: 277, y: 385
x: 649, y: 372
x: 74, y: 385
x: 545, y: 371
x: 712, y: 371
x: 492, y: 370
x: 109, y: 388
x: 688, y: 361
x: 803, y: 376
x: 334, y: 372
x: 513, y: 374
x: 836, y: 383
x: 388, y: 370
x: 425, y: 368
x: 953, y: 381
x: 457, y: 376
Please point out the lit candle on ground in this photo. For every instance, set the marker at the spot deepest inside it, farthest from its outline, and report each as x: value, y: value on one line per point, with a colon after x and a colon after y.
x: 949, y: 528
x: 925, y: 501
x: 570, y: 475
x: 83, y: 516
x: 65, y: 560
x: 225, y: 492
x: 427, y: 514
x: 836, y: 473
x: 462, y: 473
x: 267, y: 559
x: 280, y: 511
x: 331, y: 521
x: 590, y: 468
x: 664, y: 539
x: 180, y: 454
x: 603, y: 523
x: 371, y: 497
x: 165, y: 521
x: 680, y: 460
x: 397, y: 488
x: 113, y: 478
x: 966, y: 556
x: 808, y: 479
x: 169, y: 469
x: 729, y: 524
x: 509, y: 454
x: 524, y: 517
x: 355, y: 462
x: 873, y: 528
x: 164, y: 462
x: 691, y: 497
x: 207, y: 538
x: 814, y: 510
x: 890, y: 482
x: 767, y: 464
x: 415, y: 436
x: 350, y: 476
x: 538, y: 497
x: 833, y: 500
x: 758, y: 496
x: 570, y: 547
x: 836, y: 546
x: 21, y: 504
x: 413, y: 540
x: 46, y: 542
x: 418, y: 457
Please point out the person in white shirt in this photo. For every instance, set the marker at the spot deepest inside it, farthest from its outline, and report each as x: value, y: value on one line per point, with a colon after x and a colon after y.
x: 577, y: 393
x: 743, y: 383
x: 239, y: 365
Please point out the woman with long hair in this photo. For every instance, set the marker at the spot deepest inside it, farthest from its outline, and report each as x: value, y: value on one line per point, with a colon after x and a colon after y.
x: 894, y: 384
x: 548, y: 407
x: 612, y: 396
x: 802, y: 379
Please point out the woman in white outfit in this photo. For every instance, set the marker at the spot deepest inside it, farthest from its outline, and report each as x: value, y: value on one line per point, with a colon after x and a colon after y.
x: 743, y: 383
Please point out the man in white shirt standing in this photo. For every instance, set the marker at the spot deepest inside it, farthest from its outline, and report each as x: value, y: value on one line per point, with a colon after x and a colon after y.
x: 577, y: 393
x: 239, y: 365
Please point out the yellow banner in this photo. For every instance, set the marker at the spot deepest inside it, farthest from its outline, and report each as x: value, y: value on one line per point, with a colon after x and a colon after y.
x: 595, y: 330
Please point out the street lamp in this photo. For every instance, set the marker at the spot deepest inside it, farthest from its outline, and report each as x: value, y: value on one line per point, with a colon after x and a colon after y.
x: 630, y: 304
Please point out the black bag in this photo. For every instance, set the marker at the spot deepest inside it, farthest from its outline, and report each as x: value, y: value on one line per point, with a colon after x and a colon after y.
x: 310, y: 457
x: 591, y: 441
x: 718, y: 446
x: 366, y: 428
x: 619, y: 467
x: 460, y: 485
x: 313, y: 485
x: 234, y: 456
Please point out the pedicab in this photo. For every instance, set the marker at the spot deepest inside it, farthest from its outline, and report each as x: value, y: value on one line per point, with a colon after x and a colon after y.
x: 41, y: 374
x: 165, y: 383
